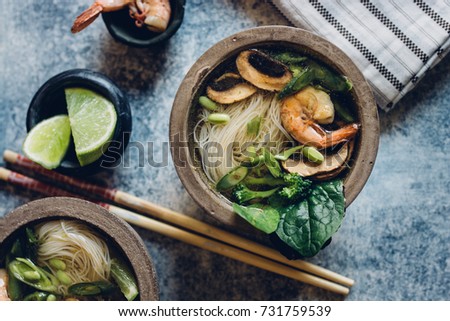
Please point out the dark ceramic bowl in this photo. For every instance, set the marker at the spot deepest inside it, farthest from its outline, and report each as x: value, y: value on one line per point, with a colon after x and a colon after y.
x: 116, y: 232
x: 184, y: 111
x: 122, y: 27
x: 50, y: 101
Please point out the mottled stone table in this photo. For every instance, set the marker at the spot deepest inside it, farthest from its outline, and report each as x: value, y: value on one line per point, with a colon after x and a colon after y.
x: 395, y: 239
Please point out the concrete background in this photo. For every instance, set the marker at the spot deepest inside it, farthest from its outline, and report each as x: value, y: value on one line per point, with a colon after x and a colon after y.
x: 395, y: 238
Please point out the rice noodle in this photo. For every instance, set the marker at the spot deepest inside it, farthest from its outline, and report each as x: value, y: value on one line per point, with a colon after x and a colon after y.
x: 85, y: 254
x: 232, y: 139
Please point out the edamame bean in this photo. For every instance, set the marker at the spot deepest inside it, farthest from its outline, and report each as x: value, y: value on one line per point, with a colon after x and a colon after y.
x: 219, y: 119
x: 251, y: 151
x: 57, y: 264
x: 207, y: 103
x: 312, y: 154
x: 63, y: 277
x: 31, y: 276
x: 20, y: 268
x: 51, y: 297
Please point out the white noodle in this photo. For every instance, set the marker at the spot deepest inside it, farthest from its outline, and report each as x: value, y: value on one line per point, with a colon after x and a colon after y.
x: 85, y: 254
x: 207, y: 135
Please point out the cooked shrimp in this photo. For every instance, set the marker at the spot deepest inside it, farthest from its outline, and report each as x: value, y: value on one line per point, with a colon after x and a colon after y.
x: 154, y: 14
x: 3, y: 284
x: 99, y: 6
x: 302, y: 113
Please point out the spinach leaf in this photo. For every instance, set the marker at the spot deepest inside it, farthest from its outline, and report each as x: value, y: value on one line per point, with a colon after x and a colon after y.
x: 308, y: 225
x: 264, y: 218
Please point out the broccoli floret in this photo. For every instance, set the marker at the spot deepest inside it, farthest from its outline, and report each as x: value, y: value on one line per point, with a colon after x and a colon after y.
x: 296, y: 188
x: 295, y: 179
x: 242, y: 194
x: 291, y: 188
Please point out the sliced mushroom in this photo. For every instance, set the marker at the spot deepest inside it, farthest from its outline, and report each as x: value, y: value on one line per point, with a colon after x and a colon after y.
x: 329, y: 175
x: 229, y: 88
x: 262, y: 71
x: 332, y: 165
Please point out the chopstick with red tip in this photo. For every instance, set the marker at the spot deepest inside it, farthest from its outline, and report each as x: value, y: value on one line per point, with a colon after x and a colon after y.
x: 173, y: 217
x: 181, y: 235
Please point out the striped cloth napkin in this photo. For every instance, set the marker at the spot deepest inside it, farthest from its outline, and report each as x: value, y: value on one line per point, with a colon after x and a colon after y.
x: 392, y: 42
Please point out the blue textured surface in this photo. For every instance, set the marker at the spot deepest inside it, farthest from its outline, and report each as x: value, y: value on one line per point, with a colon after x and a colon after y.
x: 395, y: 238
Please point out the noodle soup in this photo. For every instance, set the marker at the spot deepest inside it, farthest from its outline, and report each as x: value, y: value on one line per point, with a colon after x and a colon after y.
x: 259, y: 153
x: 274, y: 135
x: 64, y: 260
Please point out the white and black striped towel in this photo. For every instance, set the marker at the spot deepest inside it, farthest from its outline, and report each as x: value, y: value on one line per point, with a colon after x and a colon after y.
x: 393, y: 42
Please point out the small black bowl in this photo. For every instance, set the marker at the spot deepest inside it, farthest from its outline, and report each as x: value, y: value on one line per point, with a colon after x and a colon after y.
x: 122, y: 27
x: 50, y: 101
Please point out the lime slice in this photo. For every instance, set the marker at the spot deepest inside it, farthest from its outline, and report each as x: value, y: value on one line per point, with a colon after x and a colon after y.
x: 47, y: 142
x: 93, y: 119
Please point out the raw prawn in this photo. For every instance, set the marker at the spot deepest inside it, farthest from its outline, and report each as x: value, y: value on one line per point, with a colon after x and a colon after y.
x: 154, y: 14
x: 3, y: 285
x: 302, y: 113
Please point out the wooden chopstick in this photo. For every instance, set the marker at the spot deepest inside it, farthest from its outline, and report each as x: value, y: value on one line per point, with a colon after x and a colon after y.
x: 173, y: 217
x: 181, y: 235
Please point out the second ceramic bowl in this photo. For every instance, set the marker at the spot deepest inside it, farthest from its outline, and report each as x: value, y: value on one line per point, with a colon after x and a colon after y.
x: 116, y: 232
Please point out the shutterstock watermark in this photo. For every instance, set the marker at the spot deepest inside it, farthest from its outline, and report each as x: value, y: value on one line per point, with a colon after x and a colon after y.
x: 211, y: 154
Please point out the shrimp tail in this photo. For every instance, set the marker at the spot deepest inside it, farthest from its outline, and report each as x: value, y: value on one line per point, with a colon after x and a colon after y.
x: 338, y: 136
x: 87, y: 17
x: 137, y: 14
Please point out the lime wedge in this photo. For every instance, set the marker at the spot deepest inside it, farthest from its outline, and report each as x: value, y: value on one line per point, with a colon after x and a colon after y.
x: 93, y: 121
x: 47, y: 142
